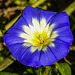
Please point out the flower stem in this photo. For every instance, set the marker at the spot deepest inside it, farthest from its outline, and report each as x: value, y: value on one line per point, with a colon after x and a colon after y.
x: 60, y: 70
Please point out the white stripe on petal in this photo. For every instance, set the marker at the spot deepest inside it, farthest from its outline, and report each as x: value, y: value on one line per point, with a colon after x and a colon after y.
x: 34, y: 48
x: 51, y: 28
x: 26, y: 29
x: 51, y: 44
x: 27, y: 44
x: 54, y: 34
x: 52, y: 39
x: 39, y: 48
x: 25, y: 36
x: 36, y: 24
x: 46, y: 28
x: 43, y: 23
x: 28, y: 41
x: 44, y: 48
x: 32, y: 29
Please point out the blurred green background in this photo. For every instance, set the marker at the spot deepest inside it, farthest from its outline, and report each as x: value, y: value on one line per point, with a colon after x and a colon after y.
x: 9, y: 12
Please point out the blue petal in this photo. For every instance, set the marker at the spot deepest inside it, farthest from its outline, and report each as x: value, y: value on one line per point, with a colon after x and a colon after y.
x: 60, y: 50
x: 17, y: 50
x: 25, y: 56
x: 15, y: 31
x: 62, y: 27
x: 54, y: 54
x: 47, y: 15
x: 31, y: 59
x: 60, y: 20
x: 64, y: 34
x: 30, y: 12
x: 18, y: 25
x: 11, y: 39
x: 47, y: 57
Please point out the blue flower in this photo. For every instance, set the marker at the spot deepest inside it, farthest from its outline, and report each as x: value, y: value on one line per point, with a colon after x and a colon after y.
x: 39, y: 37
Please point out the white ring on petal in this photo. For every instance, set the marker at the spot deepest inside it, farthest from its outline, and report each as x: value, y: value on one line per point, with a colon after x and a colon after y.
x: 39, y: 28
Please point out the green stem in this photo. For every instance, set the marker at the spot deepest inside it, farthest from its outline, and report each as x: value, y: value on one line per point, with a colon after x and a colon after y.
x: 60, y: 70
x: 40, y: 71
x: 70, y: 8
x: 38, y: 3
x: 4, y: 64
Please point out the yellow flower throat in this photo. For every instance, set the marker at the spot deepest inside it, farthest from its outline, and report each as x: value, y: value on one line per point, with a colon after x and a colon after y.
x: 40, y: 39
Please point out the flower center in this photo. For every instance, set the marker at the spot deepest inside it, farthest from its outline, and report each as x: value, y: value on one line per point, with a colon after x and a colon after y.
x: 40, y: 39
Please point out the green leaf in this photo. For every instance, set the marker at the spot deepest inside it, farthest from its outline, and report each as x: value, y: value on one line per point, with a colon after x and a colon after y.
x: 1, y: 58
x: 55, y: 71
x: 7, y: 73
x: 65, y: 68
x: 30, y: 70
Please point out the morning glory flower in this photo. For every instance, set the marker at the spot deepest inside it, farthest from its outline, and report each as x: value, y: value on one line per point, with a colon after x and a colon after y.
x: 39, y: 37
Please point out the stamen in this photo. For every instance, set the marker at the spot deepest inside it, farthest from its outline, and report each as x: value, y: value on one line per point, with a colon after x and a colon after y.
x: 42, y: 38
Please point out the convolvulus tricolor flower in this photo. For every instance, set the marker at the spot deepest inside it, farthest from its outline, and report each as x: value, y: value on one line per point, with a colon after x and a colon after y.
x: 39, y: 37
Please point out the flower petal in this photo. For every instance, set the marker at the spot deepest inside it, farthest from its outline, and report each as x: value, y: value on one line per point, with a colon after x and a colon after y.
x: 64, y: 34
x: 60, y: 49
x: 29, y: 13
x: 11, y: 39
x: 18, y: 25
x: 31, y: 58
x: 15, y: 31
x: 17, y: 50
x: 53, y: 54
x: 47, y: 57
x: 24, y: 55
x: 47, y: 15
x: 60, y: 20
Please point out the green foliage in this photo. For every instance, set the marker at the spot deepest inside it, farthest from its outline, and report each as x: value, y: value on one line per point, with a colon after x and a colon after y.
x: 32, y: 1
x: 7, y: 73
x: 20, y: 2
x: 65, y: 68
x: 28, y: 71
x: 1, y: 58
x: 55, y: 71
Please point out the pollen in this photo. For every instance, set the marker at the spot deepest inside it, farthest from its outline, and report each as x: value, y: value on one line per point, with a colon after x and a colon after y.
x: 40, y: 39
